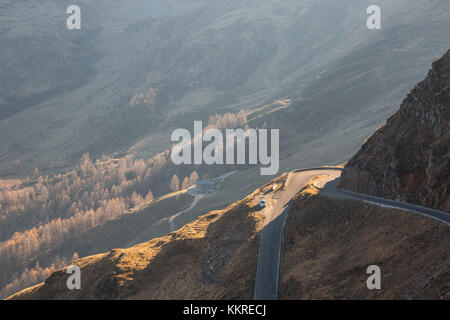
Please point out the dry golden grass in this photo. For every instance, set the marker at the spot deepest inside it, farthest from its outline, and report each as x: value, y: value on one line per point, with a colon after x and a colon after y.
x: 327, y: 248
x: 213, y: 257
x: 329, y: 244
x: 313, y: 186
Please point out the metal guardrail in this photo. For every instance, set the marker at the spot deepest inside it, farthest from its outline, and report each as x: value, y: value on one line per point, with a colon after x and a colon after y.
x: 319, y: 168
x: 286, y: 183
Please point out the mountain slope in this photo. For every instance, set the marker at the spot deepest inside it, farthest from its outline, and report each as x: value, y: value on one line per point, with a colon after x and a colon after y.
x: 127, y: 76
x: 408, y: 158
x: 329, y: 244
x: 214, y: 257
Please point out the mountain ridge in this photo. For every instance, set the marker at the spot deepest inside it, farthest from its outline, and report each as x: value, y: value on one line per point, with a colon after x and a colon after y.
x: 408, y: 158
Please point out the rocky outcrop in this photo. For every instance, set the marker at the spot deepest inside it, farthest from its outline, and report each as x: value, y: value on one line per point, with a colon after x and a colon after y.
x: 408, y: 158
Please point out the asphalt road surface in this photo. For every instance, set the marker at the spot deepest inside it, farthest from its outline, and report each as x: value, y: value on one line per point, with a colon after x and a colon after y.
x: 269, y: 256
x: 267, y: 274
x: 331, y: 192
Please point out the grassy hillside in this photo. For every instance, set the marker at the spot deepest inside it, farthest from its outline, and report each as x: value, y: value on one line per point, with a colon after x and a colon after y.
x: 213, y: 257
x: 329, y: 244
x: 327, y: 248
x: 130, y: 76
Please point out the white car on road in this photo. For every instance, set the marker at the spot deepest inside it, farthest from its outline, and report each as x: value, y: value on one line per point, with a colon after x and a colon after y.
x: 262, y: 202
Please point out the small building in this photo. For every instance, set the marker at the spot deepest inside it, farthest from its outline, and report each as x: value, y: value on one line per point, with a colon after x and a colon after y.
x: 201, y: 187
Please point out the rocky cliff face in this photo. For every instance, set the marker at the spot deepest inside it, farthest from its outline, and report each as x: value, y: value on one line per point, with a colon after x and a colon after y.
x: 408, y: 158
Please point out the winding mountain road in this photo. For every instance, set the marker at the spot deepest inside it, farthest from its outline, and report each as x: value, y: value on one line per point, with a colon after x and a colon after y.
x: 267, y: 274
x: 269, y: 256
x: 331, y: 191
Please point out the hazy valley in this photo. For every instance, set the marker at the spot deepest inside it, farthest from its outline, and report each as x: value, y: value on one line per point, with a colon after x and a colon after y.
x: 86, y: 118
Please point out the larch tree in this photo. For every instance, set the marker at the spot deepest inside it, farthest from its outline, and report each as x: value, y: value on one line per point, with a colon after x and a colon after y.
x: 193, y: 178
x: 174, y: 183
x: 185, y: 184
